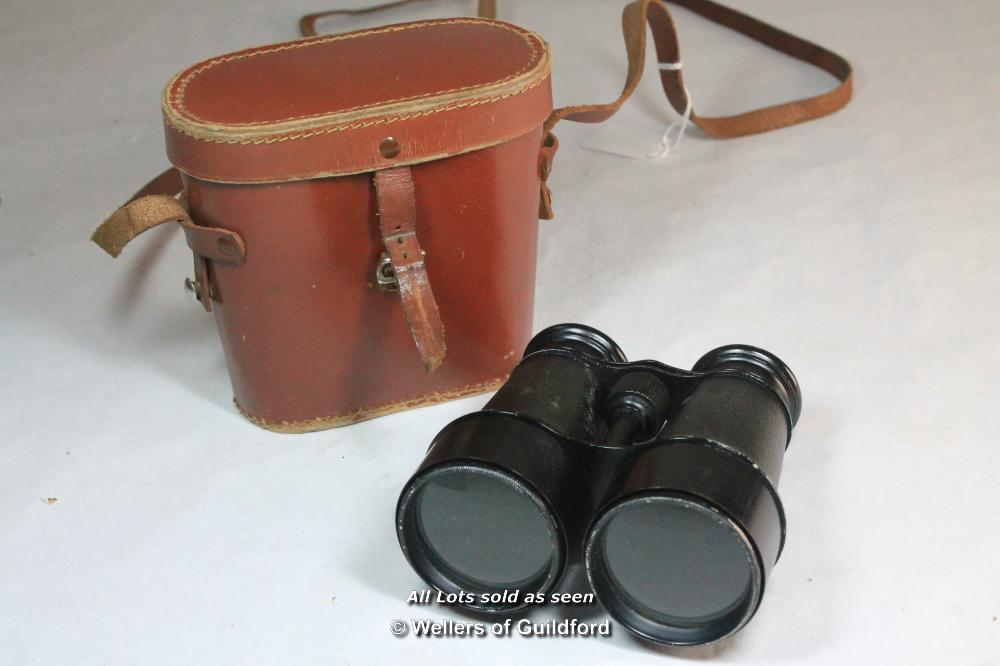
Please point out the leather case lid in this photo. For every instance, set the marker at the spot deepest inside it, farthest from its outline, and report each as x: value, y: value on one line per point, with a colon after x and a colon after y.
x: 357, y: 102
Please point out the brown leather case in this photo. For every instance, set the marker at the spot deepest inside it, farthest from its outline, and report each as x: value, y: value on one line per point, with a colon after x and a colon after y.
x: 363, y: 207
x: 278, y: 144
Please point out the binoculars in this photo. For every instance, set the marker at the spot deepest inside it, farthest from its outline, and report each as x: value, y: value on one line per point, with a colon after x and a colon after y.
x: 660, y: 481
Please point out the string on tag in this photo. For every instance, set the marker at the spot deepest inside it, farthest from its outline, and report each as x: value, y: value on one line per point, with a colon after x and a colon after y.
x: 642, y: 143
x: 666, y: 145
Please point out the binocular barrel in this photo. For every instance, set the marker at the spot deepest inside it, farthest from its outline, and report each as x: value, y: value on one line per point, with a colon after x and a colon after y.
x: 660, y: 481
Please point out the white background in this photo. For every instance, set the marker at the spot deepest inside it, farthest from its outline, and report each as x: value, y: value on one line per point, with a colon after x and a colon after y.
x: 861, y: 248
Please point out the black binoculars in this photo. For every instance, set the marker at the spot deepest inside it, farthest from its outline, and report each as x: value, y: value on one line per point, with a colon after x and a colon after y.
x: 660, y: 481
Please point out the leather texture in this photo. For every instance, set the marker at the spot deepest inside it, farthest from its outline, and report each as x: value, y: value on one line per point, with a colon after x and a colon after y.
x: 635, y: 18
x: 638, y: 14
x: 312, y: 342
x: 302, y: 161
x: 145, y: 211
x: 324, y: 106
x: 546, y: 155
x: 397, y: 215
x: 136, y: 217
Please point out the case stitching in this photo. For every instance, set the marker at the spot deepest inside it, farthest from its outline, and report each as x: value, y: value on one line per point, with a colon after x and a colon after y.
x: 340, y: 128
x: 176, y: 96
x: 363, y: 413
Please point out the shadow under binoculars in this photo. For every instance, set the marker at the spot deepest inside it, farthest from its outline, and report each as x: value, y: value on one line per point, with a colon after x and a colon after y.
x: 661, y: 481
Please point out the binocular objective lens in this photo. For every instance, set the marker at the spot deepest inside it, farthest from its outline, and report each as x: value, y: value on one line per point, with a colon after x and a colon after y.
x: 673, y: 569
x: 478, y: 530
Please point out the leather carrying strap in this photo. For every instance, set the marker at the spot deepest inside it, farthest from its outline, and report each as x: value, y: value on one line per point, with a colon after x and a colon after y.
x: 156, y: 204
x: 634, y: 19
x: 654, y: 12
x: 546, y: 155
x: 307, y: 24
x: 397, y: 214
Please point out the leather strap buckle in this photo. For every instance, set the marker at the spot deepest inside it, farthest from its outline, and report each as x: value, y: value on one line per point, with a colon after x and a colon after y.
x: 145, y: 212
x: 210, y: 243
x: 199, y: 287
x: 385, y: 274
x: 398, y: 225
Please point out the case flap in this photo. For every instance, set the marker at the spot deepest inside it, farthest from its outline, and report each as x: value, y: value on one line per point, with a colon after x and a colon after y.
x: 357, y: 102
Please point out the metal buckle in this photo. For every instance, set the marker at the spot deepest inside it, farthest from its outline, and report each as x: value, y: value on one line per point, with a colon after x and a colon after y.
x: 199, y: 287
x: 385, y: 274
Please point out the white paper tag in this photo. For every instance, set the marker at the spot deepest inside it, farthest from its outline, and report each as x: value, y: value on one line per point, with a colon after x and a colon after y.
x: 635, y: 142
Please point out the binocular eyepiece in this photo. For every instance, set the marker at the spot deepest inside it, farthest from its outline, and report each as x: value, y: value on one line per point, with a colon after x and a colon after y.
x: 660, y: 481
